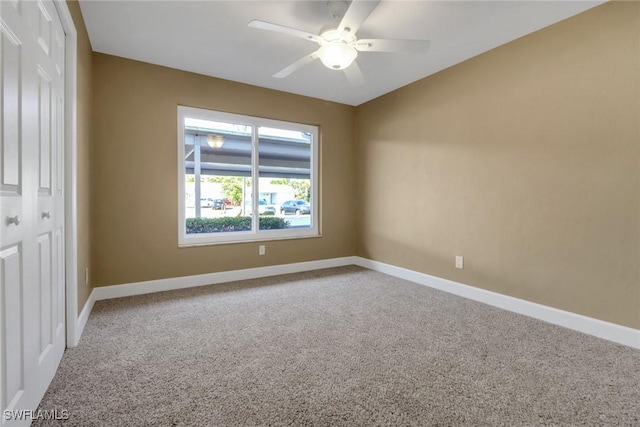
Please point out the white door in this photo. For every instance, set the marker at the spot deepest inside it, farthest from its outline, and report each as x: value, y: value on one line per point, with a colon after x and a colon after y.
x: 31, y: 203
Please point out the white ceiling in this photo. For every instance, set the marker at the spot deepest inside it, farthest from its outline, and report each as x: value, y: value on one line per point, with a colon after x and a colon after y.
x: 212, y: 38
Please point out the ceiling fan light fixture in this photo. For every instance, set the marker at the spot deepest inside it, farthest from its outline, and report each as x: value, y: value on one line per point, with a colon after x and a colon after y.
x: 337, y: 55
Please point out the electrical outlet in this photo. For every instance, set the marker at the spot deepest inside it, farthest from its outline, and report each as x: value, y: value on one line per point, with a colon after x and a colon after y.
x: 459, y: 262
x: 261, y: 250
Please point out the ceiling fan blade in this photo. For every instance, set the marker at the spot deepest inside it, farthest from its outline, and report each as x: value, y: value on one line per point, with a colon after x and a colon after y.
x: 356, y: 14
x: 262, y: 25
x: 354, y: 74
x: 384, y: 45
x: 298, y: 64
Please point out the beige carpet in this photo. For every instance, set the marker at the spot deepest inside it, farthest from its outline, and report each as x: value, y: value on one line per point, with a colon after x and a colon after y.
x: 343, y: 346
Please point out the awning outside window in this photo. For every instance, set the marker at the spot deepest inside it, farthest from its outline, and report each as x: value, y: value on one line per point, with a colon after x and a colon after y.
x: 228, y: 153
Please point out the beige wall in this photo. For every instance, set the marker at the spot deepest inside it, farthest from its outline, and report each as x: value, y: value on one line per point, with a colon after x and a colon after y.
x: 84, y: 100
x: 134, y: 176
x: 525, y: 160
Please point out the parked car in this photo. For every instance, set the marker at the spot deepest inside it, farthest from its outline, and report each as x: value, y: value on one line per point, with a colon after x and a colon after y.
x: 206, y: 202
x: 219, y: 204
x: 263, y: 208
x: 298, y: 207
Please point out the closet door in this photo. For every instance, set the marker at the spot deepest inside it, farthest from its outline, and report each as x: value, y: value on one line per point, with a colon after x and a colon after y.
x: 31, y: 203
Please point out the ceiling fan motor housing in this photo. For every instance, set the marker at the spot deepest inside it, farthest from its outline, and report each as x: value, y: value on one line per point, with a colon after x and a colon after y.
x: 337, y: 49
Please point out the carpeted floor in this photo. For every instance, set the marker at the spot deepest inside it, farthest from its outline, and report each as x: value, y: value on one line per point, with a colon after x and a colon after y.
x: 344, y: 346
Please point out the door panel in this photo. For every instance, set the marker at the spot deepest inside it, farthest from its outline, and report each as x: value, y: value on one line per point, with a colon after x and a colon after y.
x: 44, y: 27
x: 58, y: 274
x: 59, y: 144
x: 12, y: 325
x: 58, y: 49
x: 11, y: 69
x: 44, y: 313
x: 44, y: 139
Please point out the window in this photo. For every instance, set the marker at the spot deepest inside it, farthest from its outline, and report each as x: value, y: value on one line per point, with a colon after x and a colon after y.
x: 245, y: 178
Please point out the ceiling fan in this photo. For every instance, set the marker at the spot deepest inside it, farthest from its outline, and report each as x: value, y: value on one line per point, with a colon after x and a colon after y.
x: 339, y: 46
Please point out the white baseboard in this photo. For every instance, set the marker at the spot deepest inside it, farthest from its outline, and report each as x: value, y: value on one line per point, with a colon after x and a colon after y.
x: 139, y: 288
x: 601, y: 329
x: 82, y: 320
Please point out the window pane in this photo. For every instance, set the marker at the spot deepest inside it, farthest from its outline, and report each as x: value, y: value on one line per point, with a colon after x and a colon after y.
x: 284, y: 186
x: 218, y: 174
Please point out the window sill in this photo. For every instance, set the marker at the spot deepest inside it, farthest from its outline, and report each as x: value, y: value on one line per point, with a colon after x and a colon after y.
x: 254, y: 239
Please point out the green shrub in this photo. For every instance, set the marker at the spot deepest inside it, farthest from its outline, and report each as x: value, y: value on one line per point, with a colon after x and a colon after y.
x: 272, y: 223
x: 232, y: 223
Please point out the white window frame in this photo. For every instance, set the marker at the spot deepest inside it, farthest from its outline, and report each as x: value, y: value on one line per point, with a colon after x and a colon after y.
x: 255, y: 234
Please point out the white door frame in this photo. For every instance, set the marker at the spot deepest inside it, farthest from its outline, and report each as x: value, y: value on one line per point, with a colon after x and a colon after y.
x: 70, y: 172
